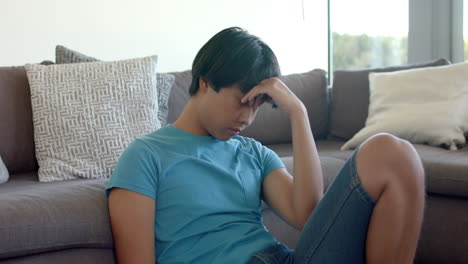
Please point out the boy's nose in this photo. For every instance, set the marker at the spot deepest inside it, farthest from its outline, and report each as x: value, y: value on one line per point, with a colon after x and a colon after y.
x: 246, y: 115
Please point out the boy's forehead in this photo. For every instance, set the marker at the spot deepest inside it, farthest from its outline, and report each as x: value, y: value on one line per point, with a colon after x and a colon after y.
x: 236, y: 89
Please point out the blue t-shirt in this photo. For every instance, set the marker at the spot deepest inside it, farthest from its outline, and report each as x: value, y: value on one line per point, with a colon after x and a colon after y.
x: 208, y: 193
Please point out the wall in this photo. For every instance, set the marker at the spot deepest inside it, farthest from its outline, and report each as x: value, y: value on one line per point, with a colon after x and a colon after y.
x: 173, y: 29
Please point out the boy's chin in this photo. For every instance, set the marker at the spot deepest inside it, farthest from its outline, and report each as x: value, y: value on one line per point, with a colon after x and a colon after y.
x: 222, y: 136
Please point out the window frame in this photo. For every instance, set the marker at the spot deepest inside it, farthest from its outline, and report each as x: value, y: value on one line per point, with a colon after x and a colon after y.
x: 435, y: 30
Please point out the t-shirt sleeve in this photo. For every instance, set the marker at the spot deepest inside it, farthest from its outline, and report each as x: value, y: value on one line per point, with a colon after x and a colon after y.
x: 136, y: 170
x: 270, y: 161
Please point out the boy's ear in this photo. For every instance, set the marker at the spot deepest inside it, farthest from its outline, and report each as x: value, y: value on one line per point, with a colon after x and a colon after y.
x: 203, y: 84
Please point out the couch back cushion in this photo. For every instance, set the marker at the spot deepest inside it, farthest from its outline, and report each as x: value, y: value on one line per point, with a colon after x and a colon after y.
x: 271, y: 126
x: 16, y: 125
x: 179, y: 95
x: 350, y: 97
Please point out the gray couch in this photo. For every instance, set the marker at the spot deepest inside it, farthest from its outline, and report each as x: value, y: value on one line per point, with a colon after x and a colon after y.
x: 67, y: 222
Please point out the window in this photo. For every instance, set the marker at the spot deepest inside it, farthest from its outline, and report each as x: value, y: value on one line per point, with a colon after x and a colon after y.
x: 296, y: 30
x: 368, y: 33
x: 465, y: 28
x: 363, y: 33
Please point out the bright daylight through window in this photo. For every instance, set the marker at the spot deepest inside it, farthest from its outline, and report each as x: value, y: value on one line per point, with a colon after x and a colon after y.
x: 362, y: 38
x: 465, y: 28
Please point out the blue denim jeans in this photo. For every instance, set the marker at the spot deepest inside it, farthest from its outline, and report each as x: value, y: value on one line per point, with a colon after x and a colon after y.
x: 336, y: 230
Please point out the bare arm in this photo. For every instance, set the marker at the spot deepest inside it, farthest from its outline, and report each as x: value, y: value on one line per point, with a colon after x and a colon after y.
x: 132, y: 221
x: 294, y: 198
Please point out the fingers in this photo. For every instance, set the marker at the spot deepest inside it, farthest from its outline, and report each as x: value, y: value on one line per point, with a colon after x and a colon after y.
x: 256, y: 100
x: 266, y: 98
x: 263, y: 92
x: 260, y: 99
x: 249, y: 96
x: 253, y: 93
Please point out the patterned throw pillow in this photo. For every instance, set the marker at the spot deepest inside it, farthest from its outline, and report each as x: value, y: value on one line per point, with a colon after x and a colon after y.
x: 165, y: 81
x: 65, y: 55
x: 86, y: 114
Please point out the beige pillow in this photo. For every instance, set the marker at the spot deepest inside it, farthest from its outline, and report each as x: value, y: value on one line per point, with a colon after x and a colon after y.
x: 350, y: 97
x: 427, y: 105
x: 85, y: 114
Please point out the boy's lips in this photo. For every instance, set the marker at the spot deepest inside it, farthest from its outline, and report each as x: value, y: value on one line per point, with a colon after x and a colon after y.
x: 234, y: 131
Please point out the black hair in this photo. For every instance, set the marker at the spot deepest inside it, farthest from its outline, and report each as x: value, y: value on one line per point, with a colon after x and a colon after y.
x: 233, y: 56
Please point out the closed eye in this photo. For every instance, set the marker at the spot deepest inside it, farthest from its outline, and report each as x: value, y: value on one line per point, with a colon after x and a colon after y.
x: 260, y: 99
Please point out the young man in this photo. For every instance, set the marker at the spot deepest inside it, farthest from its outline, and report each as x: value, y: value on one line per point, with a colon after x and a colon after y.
x: 191, y: 192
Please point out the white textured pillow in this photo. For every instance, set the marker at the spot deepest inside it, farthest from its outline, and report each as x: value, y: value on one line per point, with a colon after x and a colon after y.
x: 165, y: 80
x: 4, y: 175
x: 427, y: 105
x: 86, y: 114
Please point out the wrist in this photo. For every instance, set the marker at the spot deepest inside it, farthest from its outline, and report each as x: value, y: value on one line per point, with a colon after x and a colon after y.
x: 298, y: 112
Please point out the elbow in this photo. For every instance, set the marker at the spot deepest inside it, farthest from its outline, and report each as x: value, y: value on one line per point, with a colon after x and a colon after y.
x: 299, y: 226
x: 300, y: 222
x: 303, y: 216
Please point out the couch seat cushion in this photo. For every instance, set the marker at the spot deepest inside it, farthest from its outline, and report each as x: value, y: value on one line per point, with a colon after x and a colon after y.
x: 39, y: 217
x: 331, y: 165
x: 446, y: 171
x: 68, y: 256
